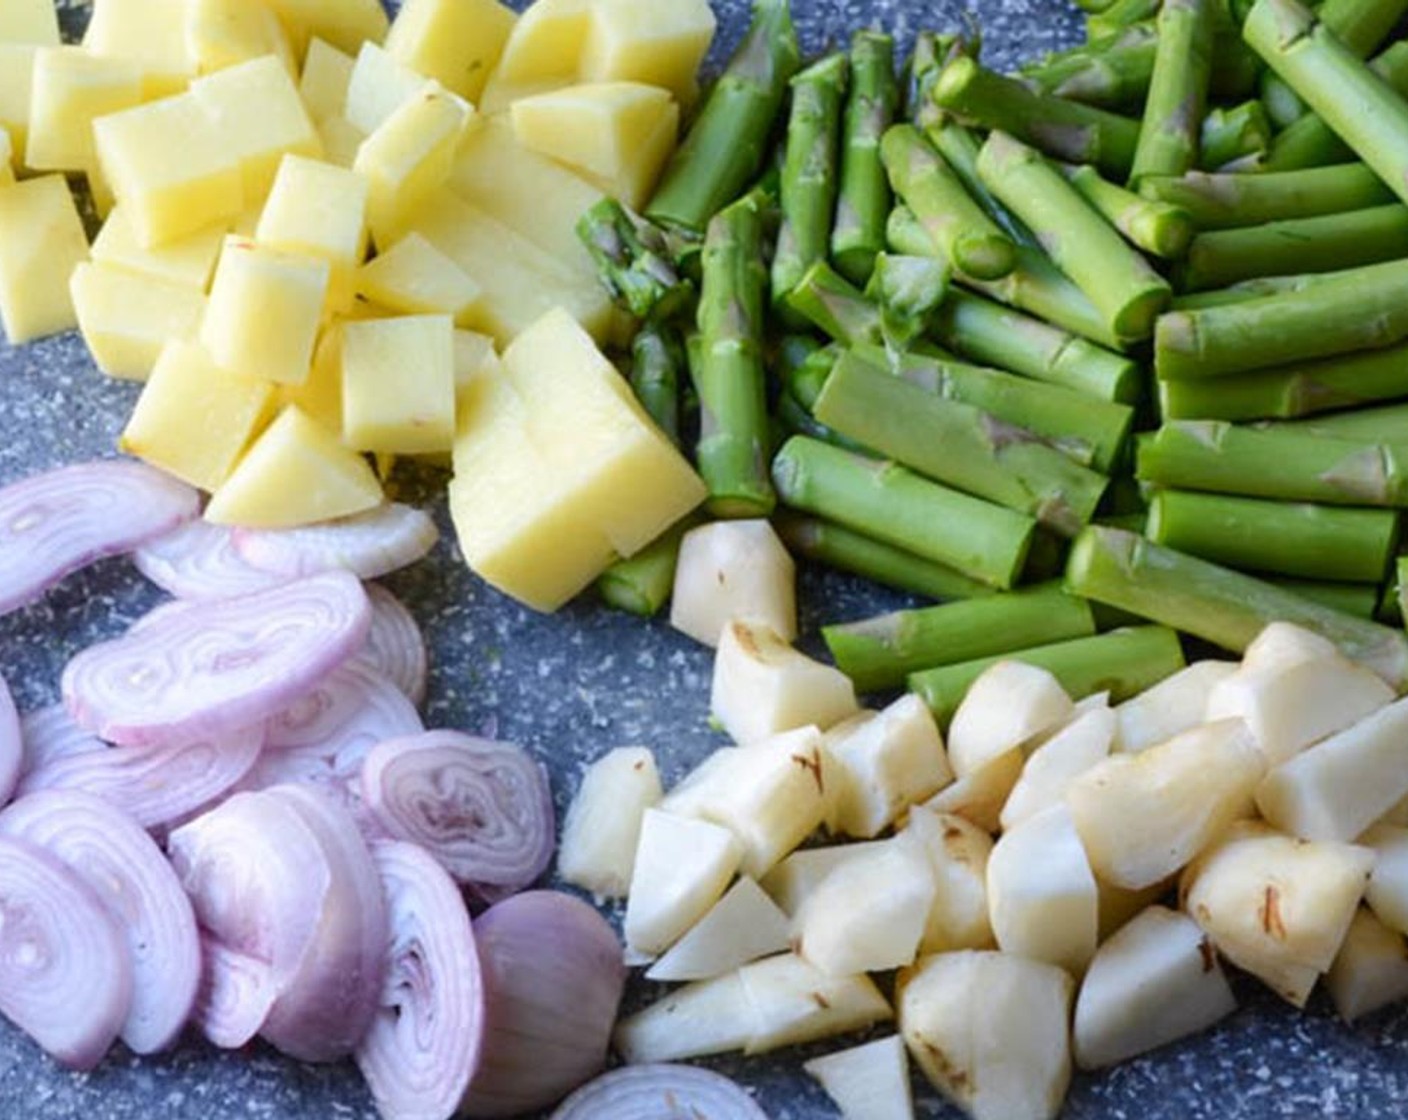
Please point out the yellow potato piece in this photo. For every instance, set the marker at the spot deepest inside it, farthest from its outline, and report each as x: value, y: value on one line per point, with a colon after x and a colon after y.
x: 295, y: 473
x: 345, y: 24
x: 126, y: 318
x: 341, y: 141
x: 323, y: 83
x: 193, y: 419
x: 70, y: 88
x: 29, y: 21
x: 221, y: 33
x: 660, y: 42
x: 41, y: 242
x: 7, y: 158
x: 150, y: 32
x: 415, y: 278
x: 473, y: 353
x: 188, y: 261
x: 319, y: 210
x: 456, y: 42
x: 16, y: 73
x: 320, y: 396
x: 378, y: 85
x: 398, y: 385
x: 546, y: 42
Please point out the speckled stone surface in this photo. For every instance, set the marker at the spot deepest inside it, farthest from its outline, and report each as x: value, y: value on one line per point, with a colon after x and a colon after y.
x: 570, y: 687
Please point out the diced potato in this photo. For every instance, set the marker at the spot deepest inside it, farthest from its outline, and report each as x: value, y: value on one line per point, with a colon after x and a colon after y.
x: 7, y: 158
x: 221, y: 33
x: 415, y: 278
x: 792, y: 881
x: 792, y: 1001
x: 41, y: 242
x: 327, y: 72
x: 741, y: 927
x: 1276, y: 906
x: 703, y: 1018
x: 979, y: 797
x: 733, y: 569
x: 296, y: 473
x: 258, y: 117
x: 341, y: 140
x: 346, y: 24
x: 398, y: 385
x: 1057, y: 762
x: 990, y: 1031
x: 660, y: 42
x: 170, y: 169
x: 1008, y: 706
x: 150, y: 32
x: 867, y: 1082
x: 127, y: 318
x: 29, y: 21
x: 682, y: 866
x: 958, y: 853
x: 187, y: 262
x: 602, y: 827
x: 474, y: 354
x: 378, y: 85
x: 319, y: 210
x: 456, y: 42
x: 71, y: 88
x: 1387, y: 893
x: 265, y: 306
x: 617, y: 135
x: 193, y: 419
x: 320, y: 395
x: 1175, y: 705
x: 16, y: 80
x: 546, y: 42
x: 1371, y: 970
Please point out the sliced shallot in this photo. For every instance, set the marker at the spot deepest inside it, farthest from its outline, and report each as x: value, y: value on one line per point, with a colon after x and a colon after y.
x: 236, y: 993
x: 212, y: 667
x: 660, y: 1092
x: 50, y: 734
x: 198, y: 560
x: 424, y: 1043
x: 11, y: 743
x: 54, y: 523
x: 109, y: 852
x: 368, y: 545
x: 482, y: 808
x: 395, y: 646
x: 65, y: 971
x: 553, y: 978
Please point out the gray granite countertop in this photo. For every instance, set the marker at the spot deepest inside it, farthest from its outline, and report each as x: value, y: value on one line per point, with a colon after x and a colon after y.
x: 570, y: 687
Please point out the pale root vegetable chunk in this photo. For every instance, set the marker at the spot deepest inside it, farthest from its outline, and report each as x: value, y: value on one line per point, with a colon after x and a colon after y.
x: 617, y: 135
x: 990, y: 1031
x: 682, y: 868
x: 791, y: 1001
x: 398, y: 385
x: 707, y: 1017
x: 193, y: 419
x: 127, y: 318
x: 346, y: 24
x: 880, y: 764
x: 596, y: 438
x: 257, y: 115
x: 1370, y: 971
x: 474, y: 355
x: 979, y: 797
x: 341, y: 140
x: 7, y: 158
x: 41, y: 242
x: 264, y: 311
x: 71, y: 88
x: 378, y: 85
x: 1276, y: 906
x: 602, y: 827
x: 733, y: 570
x: 958, y: 853
x: 319, y: 210
x: 546, y: 42
x: 1387, y: 893
x: 867, y: 1082
x: 741, y: 927
x: 295, y: 473
x: 762, y: 686
x: 660, y: 42
x: 1143, y: 816
x: 1009, y: 705
x: 1175, y: 705
x: 1057, y: 762
x: 320, y: 395
x: 1119, y: 905
x: 29, y: 21
x: 16, y: 80
x: 456, y: 42
x: 792, y: 881
x: 187, y: 262
x: 1155, y: 981
x: 323, y: 82
x: 150, y: 32
x: 222, y: 33
x: 414, y: 278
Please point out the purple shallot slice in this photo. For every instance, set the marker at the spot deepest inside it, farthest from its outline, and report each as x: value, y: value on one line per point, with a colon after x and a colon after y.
x: 660, y: 1092
x: 236, y: 993
x: 367, y: 544
x: 199, y: 560
x: 50, y: 734
x: 11, y: 743
x: 395, y: 646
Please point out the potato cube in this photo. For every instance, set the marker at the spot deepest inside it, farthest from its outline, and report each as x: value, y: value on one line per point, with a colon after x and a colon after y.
x: 72, y: 87
x: 265, y: 307
x: 398, y: 385
x: 295, y: 473
x: 340, y: 140
x: 170, y: 168
x: 456, y: 42
x: 258, y: 117
x: 149, y: 32
x: 16, y: 79
x: 706, y: 1017
x: 661, y: 42
x: 7, y: 157
x: 1175, y: 705
x: 222, y: 33
x: 546, y: 42
x: 327, y: 72
x: 415, y: 278
x: 126, y: 318
x: 320, y: 396
x: 187, y: 262
x: 869, y: 1081
x: 474, y: 354
x: 345, y: 24
x: 193, y: 419
x: 378, y: 85
x: 1010, y: 705
x: 29, y: 21
x: 318, y: 210
x: 41, y: 242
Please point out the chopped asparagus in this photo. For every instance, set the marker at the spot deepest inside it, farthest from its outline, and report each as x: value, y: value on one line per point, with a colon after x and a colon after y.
x: 1230, y: 200
x: 1237, y: 135
x: 1156, y: 227
x: 864, y: 199
x: 1178, y: 89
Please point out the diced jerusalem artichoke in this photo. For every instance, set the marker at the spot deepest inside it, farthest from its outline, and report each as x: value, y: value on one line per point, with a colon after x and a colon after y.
x: 867, y: 1082
x: 1281, y: 644
x: 682, y: 867
x: 661, y: 42
x: 703, y: 1018
x: 323, y: 83
x: 792, y: 881
x: 413, y: 277
x: 398, y: 385
x: 1009, y: 705
x: 189, y: 261
x: 1119, y: 905
x: 1175, y: 705
x: 792, y: 1001
x: 127, y: 318
x: 319, y: 210
x: 456, y: 42
x: 41, y: 242
x: 1387, y: 893
x: 980, y: 796
x: 1370, y: 971
x: 741, y: 927
x: 71, y: 88
x: 733, y: 570
x: 602, y: 828
x: 1057, y: 762
x: 958, y: 854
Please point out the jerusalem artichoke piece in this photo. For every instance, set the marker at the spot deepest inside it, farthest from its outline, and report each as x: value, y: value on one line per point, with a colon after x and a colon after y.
x: 1371, y: 969
x: 682, y: 867
x: 867, y: 1082
x: 1057, y: 762
x: 602, y: 827
x: 792, y: 1001
x: 741, y: 927
x: 733, y: 569
x: 958, y: 860
x: 792, y: 881
x: 1387, y: 893
x: 1009, y: 705
x: 1175, y: 705
x: 707, y: 1017
x: 980, y: 796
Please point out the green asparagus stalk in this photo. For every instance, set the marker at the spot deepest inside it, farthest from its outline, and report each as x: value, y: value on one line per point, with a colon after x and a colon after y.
x: 907, y: 290
x: 1224, y: 458
x: 958, y: 445
x: 1244, y: 291
x: 885, y: 501
x: 966, y: 237
x: 1235, y: 136
x: 1122, y: 662
x: 1229, y: 201
x: 932, y: 52
x: 1065, y: 129
x: 1358, y: 599
x: 834, y: 546
x: 1117, y: 280
x: 1156, y: 227
x: 991, y: 334
x: 864, y: 199
x: 726, y: 144
x: 634, y: 261
x: 657, y: 358
x: 733, y: 439
x: 808, y: 185
x: 1110, y: 73
x: 960, y: 147
x: 1388, y: 424
x: 804, y: 372
x: 1357, y: 309
x: 795, y: 419
x: 1349, y: 97
x: 830, y: 302
x: 1119, y: 15
x: 1328, y: 243
x: 1215, y: 603
x: 1401, y: 581
x: 1235, y: 69
x: 1283, y: 107
x: 879, y: 653
x: 641, y: 584
x: 1289, y: 538
x: 1178, y: 90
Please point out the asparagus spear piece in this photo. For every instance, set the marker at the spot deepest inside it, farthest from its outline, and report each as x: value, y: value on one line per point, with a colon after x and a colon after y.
x: 1243, y: 291
x: 878, y: 653
x: 864, y: 198
x: 1178, y: 90
x: 1289, y: 538
x: 1119, y: 15
x: 795, y: 419
x: 1156, y: 227
x: 958, y: 445
x: 729, y: 138
x: 1233, y: 136
x: 657, y: 357
x: 808, y: 185
x: 960, y: 147
x: 733, y: 438
x: 1215, y: 603
x: 1223, y: 458
x: 641, y: 584
x: 634, y: 260
x: 885, y: 501
x: 1349, y: 97
x: 995, y: 335
x: 1228, y: 201
x: 803, y: 374
x: 1117, y: 280
x: 1122, y: 662
x: 1111, y: 72
x: 1388, y: 424
x: 831, y: 303
x: 1358, y: 599
x: 932, y: 52
x: 907, y: 290
x: 1357, y: 309
x: 1327, y: 243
